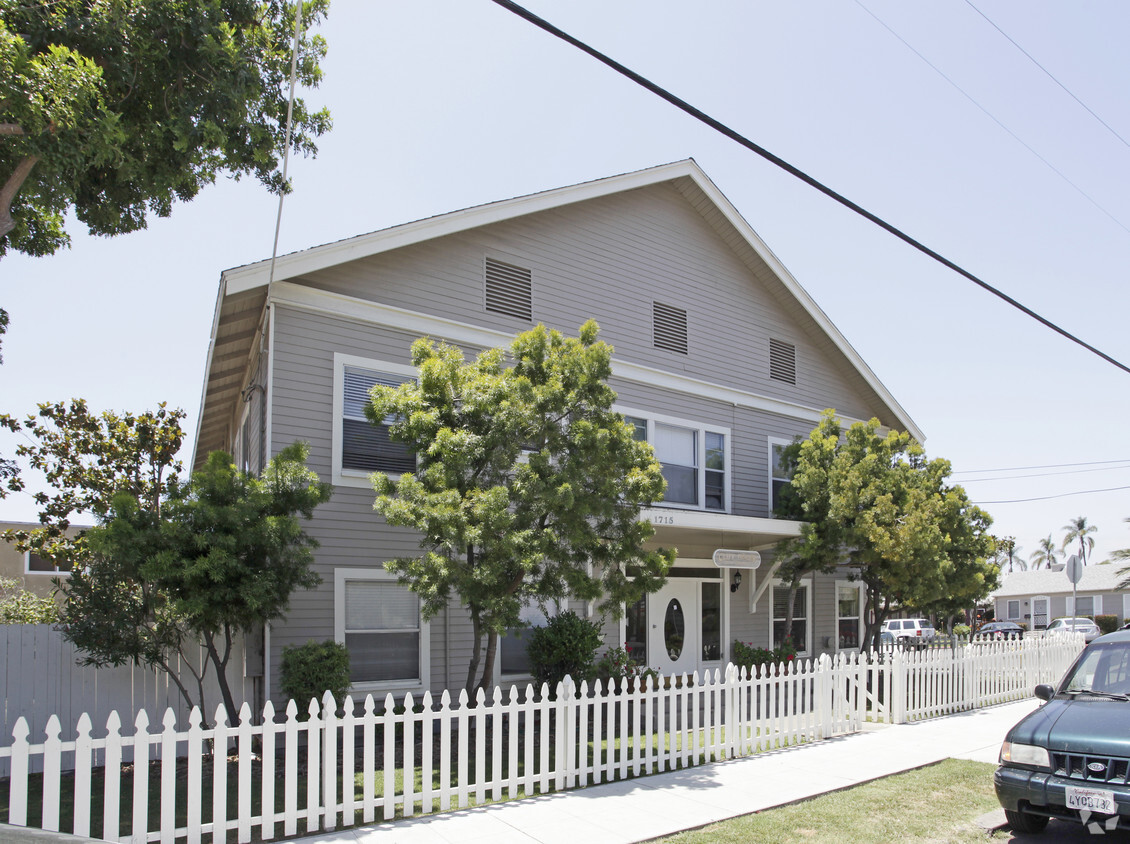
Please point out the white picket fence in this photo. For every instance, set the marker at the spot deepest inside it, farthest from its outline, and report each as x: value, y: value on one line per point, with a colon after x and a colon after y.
x: 322, y: 771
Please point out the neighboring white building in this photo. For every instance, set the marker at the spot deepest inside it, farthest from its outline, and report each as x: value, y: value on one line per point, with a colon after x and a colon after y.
x: 1035, y: 598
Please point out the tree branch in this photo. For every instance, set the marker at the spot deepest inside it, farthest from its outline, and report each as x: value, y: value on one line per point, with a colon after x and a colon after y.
x: 11, y: 188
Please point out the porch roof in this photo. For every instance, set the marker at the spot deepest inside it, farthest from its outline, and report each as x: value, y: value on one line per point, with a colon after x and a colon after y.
x: 721, y: 530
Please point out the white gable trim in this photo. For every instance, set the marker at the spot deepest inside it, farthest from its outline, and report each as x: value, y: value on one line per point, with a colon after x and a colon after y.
x: 312, y: 300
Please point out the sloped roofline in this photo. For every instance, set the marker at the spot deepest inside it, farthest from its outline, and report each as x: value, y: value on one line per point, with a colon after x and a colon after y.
x: 295, y: 264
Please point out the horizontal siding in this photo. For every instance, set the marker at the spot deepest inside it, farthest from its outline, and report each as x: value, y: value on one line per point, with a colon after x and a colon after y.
x: 609, y: 259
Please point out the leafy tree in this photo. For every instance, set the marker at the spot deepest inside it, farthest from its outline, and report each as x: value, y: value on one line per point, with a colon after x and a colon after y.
x: 116, y: 110
x: 221, y: 556
x: 807, y: 498
x: 876, y: 502
x: 20, y: 606
x: 1078, y: 530
x: 1045, y: 554
x: 527, y: 486
x: 88, y: 459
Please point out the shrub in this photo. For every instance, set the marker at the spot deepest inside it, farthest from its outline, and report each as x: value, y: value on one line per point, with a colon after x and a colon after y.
x: 747, y: 656
x: 1107, y: 623
x: 566, y: 645
x: 310, y: 670
x: 961, y: 630
x: 19, y: 606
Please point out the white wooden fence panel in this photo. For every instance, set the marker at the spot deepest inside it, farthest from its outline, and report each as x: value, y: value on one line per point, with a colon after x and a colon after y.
x: 585, y: 734
x: 40, y: 677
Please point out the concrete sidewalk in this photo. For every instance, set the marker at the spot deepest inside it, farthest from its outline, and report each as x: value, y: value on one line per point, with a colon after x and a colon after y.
x: 649, y: 807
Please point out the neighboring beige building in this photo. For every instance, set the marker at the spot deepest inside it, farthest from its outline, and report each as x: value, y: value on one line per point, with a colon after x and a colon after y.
x: 34, y: 573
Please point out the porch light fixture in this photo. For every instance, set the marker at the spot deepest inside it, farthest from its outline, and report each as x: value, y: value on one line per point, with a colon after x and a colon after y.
x: 737, y: 581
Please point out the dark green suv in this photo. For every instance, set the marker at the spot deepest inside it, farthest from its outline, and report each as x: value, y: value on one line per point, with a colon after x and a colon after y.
x: 1070, y: 759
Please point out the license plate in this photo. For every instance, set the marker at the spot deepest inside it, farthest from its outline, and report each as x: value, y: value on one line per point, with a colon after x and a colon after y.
x: 1091, y: 799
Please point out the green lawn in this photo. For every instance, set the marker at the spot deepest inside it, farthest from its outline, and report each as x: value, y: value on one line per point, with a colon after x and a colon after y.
x: 937, y: 803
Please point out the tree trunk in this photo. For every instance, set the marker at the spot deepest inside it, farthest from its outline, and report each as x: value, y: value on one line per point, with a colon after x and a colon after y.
x: 790, y: 608
x: 488, y: 663
x: 476, y: 644
x: 221, y: 664
x: 11, y: 188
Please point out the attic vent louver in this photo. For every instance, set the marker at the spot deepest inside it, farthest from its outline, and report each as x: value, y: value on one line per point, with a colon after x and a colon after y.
x: 509, y: 290
x: 782, y: 361
x: 669, y: 328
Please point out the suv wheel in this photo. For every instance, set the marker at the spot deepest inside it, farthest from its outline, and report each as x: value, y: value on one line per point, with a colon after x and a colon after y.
x: 1023, y: 822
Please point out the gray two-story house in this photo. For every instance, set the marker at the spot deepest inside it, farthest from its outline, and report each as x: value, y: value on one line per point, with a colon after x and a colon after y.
x: 721, y: 358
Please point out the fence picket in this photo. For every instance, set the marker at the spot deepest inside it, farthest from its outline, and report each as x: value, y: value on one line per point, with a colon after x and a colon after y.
x: 219, y: 776
x: 140, y: 827
x: 168, y: 813
x: 267, y: 786
x: 111, y: 788
x: 83, y: 763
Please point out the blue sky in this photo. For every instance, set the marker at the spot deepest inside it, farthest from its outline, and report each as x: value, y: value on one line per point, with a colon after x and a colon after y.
x: 444, y: 104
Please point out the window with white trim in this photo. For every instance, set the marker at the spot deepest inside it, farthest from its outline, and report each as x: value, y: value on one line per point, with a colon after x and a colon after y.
x: 1084, y: 607
x: 35, y: 564
x: 802, y: 612
x: 1013, y: 611
x: 849, y: 627
x: 378, y: 620
x: 695, y: 460
x: 360, y: 447
x: 779, y: 476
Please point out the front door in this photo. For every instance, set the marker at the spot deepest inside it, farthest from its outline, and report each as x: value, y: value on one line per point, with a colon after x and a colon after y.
x: 673, y: 619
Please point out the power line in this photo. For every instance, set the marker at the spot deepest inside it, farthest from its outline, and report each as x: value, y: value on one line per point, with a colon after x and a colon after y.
x: 993, y: 117
x: 1046, y: 466
x: 1049, y: 497
x: 1048, y: 72
x: 1044, y: 474
x: 794, y: 171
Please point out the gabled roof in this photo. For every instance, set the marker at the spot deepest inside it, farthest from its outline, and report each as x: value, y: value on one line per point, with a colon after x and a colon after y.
x: 243, y: 290
x: 1100, y: 578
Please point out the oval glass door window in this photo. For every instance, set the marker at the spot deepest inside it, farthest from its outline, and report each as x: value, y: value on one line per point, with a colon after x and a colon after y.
x: 674, y: 629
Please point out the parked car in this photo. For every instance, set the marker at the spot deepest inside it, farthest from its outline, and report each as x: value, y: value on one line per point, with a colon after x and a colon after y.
x: 1068, y: 759
x: 1001, y: 630
x: 911, y: 631
x: 1088, y: 628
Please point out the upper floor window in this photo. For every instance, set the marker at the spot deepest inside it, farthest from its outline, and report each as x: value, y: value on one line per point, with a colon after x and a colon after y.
x: 360, y: 447
x: 779, y: 474
x: 695, y: 460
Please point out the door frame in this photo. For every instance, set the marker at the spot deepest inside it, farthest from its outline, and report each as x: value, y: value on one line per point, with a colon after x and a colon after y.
x: 722, y: 580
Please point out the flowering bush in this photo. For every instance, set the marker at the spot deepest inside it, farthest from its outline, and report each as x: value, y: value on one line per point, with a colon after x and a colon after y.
x: 747, y: 656
x: 619, y: 664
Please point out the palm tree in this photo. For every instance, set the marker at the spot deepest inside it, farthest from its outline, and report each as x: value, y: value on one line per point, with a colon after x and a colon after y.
x: 1006, y: 554
x: 1045, y: 554
x: 1079, y: 529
